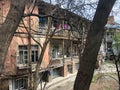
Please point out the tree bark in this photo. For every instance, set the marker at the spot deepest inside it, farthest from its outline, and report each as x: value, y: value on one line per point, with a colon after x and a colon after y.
x: 9, y: 27
x: 36, y: 77
x: 93, y: 42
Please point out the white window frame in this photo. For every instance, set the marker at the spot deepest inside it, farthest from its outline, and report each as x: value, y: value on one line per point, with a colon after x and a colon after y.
x: 23, y: 58
x: 19, y: 81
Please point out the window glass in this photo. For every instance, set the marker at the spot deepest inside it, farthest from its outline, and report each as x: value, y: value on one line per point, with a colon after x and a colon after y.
x: 56, y: 48
x: 43, y: 21
x: 67, y: 48
x: 21, y: 84
x: 75, y: 48
x: 23, y: 54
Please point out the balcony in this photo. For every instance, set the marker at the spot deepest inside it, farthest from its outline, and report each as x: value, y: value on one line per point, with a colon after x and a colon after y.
x: 56, y: 62
x: 76, y: 59
x: 68, y: 60
x: 22, y: 66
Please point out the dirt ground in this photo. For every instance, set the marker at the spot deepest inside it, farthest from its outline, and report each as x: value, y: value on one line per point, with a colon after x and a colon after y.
x: 107, y: 78
x: 105, y: 83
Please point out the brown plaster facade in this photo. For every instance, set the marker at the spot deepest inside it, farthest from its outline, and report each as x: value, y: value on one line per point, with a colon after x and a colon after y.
x: 62, y: 65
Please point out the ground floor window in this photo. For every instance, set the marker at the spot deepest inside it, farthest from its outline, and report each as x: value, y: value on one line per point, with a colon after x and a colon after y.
x: 44, y: 76
x: 21, y: 84
x: 76, y: 66
x: 69, y: 67
x: 56, y: 72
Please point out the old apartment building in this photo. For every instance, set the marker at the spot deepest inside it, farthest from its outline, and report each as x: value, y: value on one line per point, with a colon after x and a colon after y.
x: 112, y: 38
x: 61, y: 55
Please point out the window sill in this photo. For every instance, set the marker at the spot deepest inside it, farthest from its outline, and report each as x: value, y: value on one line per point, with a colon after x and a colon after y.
x: 22, y: 66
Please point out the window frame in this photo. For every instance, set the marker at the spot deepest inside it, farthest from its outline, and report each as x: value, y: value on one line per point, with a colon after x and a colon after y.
x: 23, y: 58
x: 23, y: 81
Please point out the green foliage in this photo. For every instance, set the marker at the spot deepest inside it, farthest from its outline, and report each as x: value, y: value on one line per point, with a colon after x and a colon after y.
x: 116, y: 38
x: 101, y: 75
x: 107, y: 88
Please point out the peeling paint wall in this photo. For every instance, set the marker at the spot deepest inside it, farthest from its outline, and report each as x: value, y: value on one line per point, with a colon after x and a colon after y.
x: 10, y: 67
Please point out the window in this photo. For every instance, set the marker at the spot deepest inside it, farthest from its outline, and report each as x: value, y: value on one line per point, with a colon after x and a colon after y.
x: 55, y: 23
x: 23, y: 54
x: 75, y: 50
x: 76, y: 66
x: 43, y: 21
x: 69, y: 67
x: 56, y: 48
x: 34, y: 53
x: 56, y: 72
x: 67, y: 48
x: 21, y: 84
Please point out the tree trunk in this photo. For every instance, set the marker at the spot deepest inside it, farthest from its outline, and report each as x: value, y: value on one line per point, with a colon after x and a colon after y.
x: 43, y: 48
x: 9, y: 27
x: 94, y: 39
x: 36, y: 77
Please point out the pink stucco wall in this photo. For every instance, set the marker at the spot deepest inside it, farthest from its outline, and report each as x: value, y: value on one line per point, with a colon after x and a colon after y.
x: 10, y: 60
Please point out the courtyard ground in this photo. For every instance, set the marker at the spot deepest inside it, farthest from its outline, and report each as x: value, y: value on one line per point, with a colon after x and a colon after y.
x: 105, y: 78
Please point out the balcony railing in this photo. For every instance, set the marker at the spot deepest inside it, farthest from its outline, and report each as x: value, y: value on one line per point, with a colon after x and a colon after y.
x: 57, y: 62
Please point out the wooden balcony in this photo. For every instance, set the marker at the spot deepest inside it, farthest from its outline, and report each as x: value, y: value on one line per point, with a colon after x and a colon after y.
x: 22, y: 66
x: 76, y: 59
x: 68, y: 60
x: 57, y: 62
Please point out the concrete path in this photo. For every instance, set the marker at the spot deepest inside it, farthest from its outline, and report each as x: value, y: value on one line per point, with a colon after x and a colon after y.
x: 66, y: 83
x: 62, y: 83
